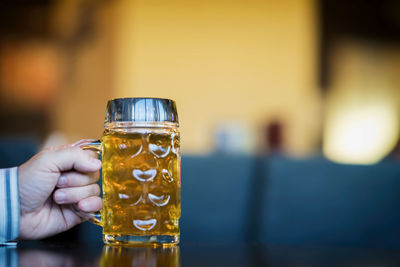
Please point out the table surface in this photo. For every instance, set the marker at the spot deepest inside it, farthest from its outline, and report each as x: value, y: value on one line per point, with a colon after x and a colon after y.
x: 35, y: 253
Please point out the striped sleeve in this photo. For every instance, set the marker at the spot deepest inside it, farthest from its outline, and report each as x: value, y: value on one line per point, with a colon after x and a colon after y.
x: 9, y: 206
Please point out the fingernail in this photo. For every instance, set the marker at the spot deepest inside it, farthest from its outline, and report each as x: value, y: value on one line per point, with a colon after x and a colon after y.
x: 62, y: 180
x: 59, y: 196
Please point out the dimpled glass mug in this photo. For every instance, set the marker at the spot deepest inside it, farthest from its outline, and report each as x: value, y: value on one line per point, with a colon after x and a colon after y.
x: 140, y: 151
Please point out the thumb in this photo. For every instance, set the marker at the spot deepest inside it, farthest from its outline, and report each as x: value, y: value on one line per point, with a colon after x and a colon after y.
x: 71, y: 157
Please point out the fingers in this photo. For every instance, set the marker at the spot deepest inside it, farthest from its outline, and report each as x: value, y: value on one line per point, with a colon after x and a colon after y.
x: 74, y: 179
x: 70, y: 157
x: 90, y: 204
x: 75, y: 194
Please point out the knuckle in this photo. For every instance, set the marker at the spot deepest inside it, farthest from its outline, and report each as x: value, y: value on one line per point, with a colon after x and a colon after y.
x: 73, y: 149
x: 81, y: 154
x: 77, y: 153
x: 67, y: 146
x: 49, y: 149
x: 60, y: 148
x: 89, y: 154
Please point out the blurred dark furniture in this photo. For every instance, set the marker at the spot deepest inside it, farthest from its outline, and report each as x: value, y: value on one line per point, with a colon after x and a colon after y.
x: 275, y: 200
x: 316, y: 202
x: 15, y: 151
x: 279, y: 200
x: 215, y: 194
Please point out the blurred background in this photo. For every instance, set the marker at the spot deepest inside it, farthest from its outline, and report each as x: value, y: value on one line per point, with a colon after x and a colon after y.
x: 277, y: 89
x: 298, y: 76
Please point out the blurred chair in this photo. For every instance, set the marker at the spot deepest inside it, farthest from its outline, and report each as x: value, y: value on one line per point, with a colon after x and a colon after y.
x: 15, y: 151
x: 215, y: 193
x: 316, y: 202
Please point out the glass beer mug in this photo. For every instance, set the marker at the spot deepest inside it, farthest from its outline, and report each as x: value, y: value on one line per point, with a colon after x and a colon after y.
x: 140, y: 151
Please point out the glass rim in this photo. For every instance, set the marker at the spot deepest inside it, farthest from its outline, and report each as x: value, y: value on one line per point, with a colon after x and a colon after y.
x: 140, y: 124
x: 141, y: 97
x: 141, y: 109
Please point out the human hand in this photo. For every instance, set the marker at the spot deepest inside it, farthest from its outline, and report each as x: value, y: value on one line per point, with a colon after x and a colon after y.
x: 49, y: 183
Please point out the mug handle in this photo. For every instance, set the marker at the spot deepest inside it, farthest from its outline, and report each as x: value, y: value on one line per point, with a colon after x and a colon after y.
x: 93, y: 145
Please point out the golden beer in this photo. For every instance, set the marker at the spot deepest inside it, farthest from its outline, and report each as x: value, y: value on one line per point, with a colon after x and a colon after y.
x: 141, y: 182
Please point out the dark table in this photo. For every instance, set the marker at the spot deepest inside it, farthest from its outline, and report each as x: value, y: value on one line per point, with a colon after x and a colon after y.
x: 35, y: 253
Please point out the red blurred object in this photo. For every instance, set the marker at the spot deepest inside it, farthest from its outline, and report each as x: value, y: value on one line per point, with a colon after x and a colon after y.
x: 273, y: 135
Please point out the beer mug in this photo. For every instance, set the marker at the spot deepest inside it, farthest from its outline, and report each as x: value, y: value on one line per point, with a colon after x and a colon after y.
x: 140, y: 152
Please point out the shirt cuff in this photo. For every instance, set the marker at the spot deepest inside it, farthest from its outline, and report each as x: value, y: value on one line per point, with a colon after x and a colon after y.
x: 9, y: 206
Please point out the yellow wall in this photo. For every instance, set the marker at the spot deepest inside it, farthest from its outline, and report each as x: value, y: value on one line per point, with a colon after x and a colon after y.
x: 247, y: 61
x: 80, y: 109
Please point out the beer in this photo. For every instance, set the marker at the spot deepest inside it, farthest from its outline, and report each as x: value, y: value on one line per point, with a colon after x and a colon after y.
x: 141, y: 182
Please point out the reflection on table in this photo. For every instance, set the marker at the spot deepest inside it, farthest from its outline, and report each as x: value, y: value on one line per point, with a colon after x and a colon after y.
x: 57, y: 254
x: 192, y: 254
x: 140, y: 256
